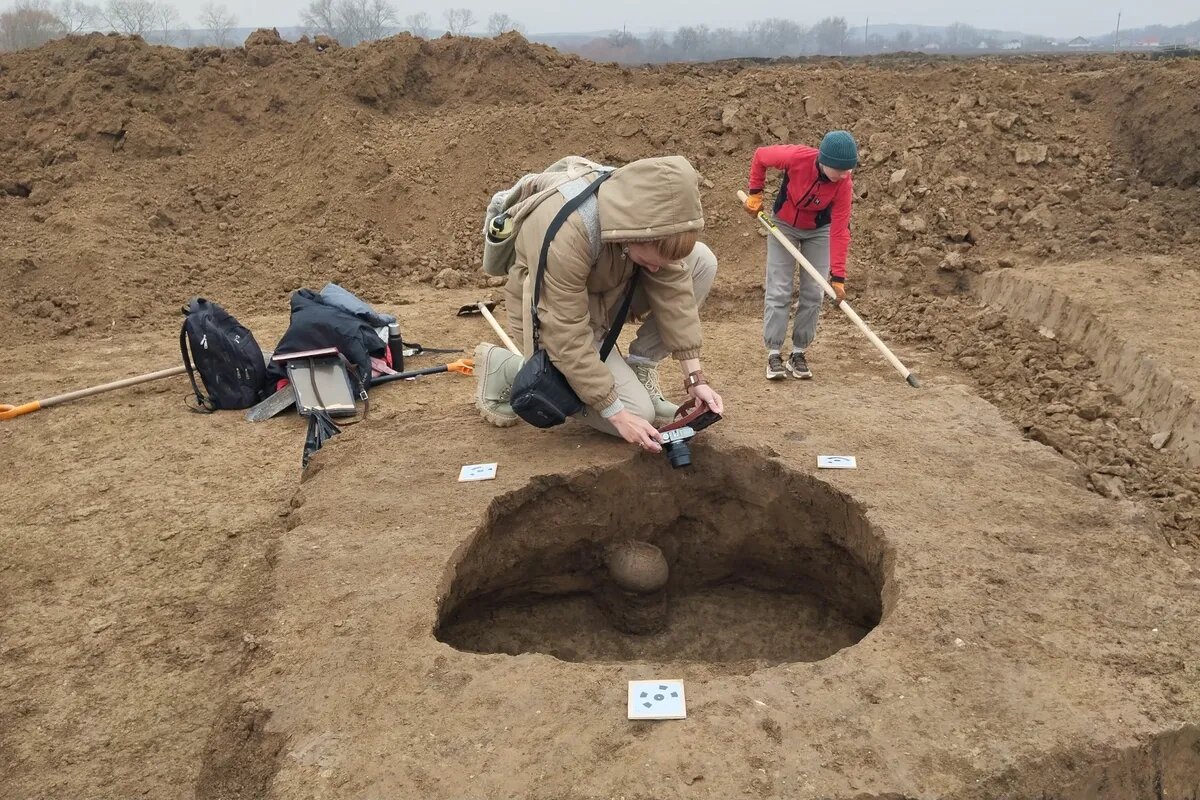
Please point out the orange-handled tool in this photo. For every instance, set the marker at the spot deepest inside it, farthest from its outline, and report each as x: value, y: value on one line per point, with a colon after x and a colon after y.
x: 9, y: 412
x: 465, y: 366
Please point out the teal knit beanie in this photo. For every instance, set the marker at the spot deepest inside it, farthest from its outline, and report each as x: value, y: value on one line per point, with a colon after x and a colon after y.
x: 838, y: 150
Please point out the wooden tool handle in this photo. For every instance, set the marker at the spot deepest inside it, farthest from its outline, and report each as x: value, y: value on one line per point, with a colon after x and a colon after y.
x: 842, y: 304
x: 499, y: 331
x: 8, y: 412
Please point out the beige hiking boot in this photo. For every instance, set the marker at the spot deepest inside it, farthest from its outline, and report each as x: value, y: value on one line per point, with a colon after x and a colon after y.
x: 495, y: 370
x: 647, y: 375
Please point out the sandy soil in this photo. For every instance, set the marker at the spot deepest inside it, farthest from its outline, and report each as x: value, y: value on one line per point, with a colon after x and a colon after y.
x: 186, y: 615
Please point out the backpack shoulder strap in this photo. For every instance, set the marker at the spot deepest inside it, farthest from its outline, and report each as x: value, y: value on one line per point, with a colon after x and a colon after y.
x: 559, y: 218
x: 508, y: 208
x: 587, y: 193
x: 204, y: 405
x: 589, y: 211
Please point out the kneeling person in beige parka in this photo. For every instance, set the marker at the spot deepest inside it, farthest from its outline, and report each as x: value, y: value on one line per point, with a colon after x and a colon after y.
x: 649, y: 216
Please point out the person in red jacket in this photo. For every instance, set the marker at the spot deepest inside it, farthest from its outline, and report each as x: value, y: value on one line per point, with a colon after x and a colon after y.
x: 813, y: 210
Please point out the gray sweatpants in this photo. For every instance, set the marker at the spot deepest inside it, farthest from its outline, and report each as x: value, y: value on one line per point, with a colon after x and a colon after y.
x: 648, y: 343
x: 777, y: 289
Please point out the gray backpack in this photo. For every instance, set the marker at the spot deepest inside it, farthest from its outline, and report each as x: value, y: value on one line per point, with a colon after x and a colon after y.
x: 508, y: 208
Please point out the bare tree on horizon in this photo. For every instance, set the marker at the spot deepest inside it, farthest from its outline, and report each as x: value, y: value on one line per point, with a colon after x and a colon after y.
x: 350, y: 21
x: 419, y: 24
x: 502, y: 23
x: 960, y: 36
x: 778, y: 36
x: 318, y: 17
x: 459, y: 21
x: 29, y: 23
x: 689, y: 40
x: 367, y: 20
x: 166, y: 19
x: 77, y: 17
x: 218, y: 20
x: 131, y: 17
x: 830, y: 35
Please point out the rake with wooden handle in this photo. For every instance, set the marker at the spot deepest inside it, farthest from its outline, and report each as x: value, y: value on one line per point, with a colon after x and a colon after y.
x: 842, y: 304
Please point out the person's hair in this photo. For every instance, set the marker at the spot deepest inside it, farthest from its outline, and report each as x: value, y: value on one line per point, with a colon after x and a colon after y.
x: 676, y: 246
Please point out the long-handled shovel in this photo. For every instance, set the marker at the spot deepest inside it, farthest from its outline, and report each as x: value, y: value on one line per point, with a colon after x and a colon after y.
x: 9, y: 412
x: 842, y: 304
x: 485, y: 308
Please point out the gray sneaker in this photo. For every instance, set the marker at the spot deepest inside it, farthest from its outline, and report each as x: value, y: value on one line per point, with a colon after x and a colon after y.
x: 798, y: 366
x: 647, y: 375
x: 775, y: 369
x: 495, y: 370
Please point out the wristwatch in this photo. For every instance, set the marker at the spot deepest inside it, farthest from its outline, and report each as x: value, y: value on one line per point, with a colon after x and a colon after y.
x: 694, y: 379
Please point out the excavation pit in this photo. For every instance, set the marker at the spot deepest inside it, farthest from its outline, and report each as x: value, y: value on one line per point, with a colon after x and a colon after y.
x: 1022, y: 645
x: 766, y: 566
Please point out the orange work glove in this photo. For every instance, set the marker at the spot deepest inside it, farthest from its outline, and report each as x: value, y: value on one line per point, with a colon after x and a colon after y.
x: 753, y: 204
x: 839, y: 289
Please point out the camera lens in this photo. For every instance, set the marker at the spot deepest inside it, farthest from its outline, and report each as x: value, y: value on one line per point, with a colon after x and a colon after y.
x: 678, y: 454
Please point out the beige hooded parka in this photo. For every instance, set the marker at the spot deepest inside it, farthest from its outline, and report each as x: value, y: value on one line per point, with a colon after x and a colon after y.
x: 648, y: 199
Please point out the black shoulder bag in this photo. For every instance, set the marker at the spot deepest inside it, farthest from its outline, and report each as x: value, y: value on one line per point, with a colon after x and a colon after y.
x: 541, y: 394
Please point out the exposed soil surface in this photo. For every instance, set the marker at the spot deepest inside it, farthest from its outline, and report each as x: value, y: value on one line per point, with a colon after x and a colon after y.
x: 999, y: 602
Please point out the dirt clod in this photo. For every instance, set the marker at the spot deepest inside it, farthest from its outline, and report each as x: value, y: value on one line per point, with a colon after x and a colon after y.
x: 142, y: 542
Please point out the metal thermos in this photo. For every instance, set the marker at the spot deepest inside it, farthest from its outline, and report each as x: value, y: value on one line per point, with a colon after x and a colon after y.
x: 396, y: 345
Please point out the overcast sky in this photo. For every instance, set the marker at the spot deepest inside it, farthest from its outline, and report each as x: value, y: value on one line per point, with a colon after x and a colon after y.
x: 1047, y: 17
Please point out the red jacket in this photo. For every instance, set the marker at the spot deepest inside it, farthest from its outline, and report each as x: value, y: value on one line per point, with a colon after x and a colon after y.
x: 807, y: 199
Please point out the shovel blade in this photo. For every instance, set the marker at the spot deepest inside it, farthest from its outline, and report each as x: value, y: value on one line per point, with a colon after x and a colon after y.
x: 273, y: 405
x: 472, y: 309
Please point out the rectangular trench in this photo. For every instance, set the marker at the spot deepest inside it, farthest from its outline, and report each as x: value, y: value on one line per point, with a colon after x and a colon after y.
x: 1147, y: 387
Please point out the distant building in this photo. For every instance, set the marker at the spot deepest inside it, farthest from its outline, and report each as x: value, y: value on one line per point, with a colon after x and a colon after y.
x: 1148, y: 42
x: 1079, y: 41
x: 982, y: 45
x: 1015, y: 44
x: 932, y: 46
